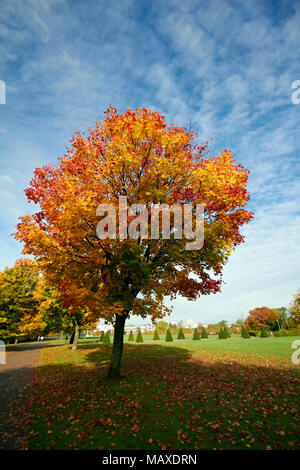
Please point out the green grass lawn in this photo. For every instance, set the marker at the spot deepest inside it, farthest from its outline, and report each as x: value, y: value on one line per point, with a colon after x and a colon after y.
x: 207, y: 394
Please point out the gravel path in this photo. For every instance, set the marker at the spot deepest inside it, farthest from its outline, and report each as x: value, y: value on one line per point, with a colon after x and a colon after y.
x: 16, y: 378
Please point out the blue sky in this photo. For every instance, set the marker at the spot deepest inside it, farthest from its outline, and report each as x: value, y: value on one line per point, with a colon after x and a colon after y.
x: 226, y: 66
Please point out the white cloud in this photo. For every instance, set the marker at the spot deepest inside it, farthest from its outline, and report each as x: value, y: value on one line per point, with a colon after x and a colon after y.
x: 226, y: 67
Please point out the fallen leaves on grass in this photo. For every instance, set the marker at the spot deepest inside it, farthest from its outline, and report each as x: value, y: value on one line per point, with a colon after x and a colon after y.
x: 168, y: 400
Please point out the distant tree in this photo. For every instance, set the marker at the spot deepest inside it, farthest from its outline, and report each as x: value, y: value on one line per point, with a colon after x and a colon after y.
x: 131, y: 337
x: 239, y: 323
x: 294, y: 311
x: 180, y: 334
x: 222, y: 323
x: 139, y: 338
x: 162, y: 326
x: 204, y: 334
x: 263, y: 317
x: 156, y: 335
x: 19, y: 304
x: 169, y: 336
x: 283, y: 320
x: 212, y: 328
x: 196, y: 335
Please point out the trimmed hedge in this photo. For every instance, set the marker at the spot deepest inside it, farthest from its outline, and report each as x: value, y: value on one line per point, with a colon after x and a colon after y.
x: 204, y: 335
x: 107, y: 338
x: 226, y: 332
x: 196, y: 335
x: 292, y: 332
x: 139, y: 338
x: 180, y: 334
x: 169, y: 336
x: 102, y: 337
x: 222, y: 334
x: 156, y: 335
x: 245, y: 333
x: 131, y: 337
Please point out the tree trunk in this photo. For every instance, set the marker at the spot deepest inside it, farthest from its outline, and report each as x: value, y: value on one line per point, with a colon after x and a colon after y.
x: 72, y: 336
x: 76, y: 336
x: 115, y: 363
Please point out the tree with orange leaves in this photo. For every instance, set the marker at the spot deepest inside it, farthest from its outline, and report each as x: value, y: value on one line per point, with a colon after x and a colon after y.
x: 139, y: 156
x: 262, y: 318
x: 63, y: 311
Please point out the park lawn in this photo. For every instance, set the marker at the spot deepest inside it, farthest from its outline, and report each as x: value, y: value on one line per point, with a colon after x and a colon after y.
x: 207, y: 394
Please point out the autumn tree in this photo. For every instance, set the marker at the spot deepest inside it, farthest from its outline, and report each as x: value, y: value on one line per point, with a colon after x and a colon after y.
x: 19, y: 304
x: 260, y: 318
x: 137, y: 156
x: 294, y: 311
x: 65, y: 310
x: 52, y: 310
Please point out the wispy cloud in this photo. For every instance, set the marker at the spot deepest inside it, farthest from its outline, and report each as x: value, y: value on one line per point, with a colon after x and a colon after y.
x: 226, y: 66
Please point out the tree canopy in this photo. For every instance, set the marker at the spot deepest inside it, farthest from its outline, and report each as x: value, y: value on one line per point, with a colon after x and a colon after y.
x: 138, y: 155
x: 262, y: 318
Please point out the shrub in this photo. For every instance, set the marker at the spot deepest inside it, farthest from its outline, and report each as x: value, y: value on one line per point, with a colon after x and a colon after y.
x: 291, y: 332
x: 156, y: 335
x: 139, y: 338
x: 204, y: 334
x: 222, y: 334
x: 131, y: 337
x: 245, y: 333
x: 226, y: 332
x: 169, y: 336
x: 264, y: 333
x: 180, y: 334
x: 196, y: 334
x: 107, y: 338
